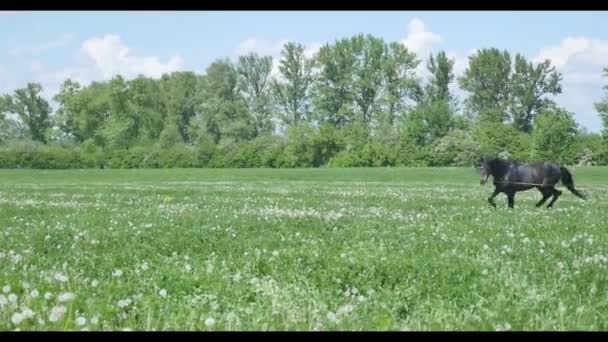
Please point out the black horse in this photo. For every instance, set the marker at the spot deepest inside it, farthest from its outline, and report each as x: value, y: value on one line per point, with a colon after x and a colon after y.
x: 512, y: 176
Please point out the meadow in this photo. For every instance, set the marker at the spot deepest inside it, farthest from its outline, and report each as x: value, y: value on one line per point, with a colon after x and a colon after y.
x: 297, y: 249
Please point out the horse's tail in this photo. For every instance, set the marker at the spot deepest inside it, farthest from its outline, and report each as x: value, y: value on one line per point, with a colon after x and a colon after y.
x: 569, y: 182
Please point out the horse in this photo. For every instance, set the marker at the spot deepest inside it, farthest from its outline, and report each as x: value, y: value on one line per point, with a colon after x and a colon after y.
x: 511, y: 176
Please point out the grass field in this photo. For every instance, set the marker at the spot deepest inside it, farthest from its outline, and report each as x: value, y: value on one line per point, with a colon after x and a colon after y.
x: 315, y: 249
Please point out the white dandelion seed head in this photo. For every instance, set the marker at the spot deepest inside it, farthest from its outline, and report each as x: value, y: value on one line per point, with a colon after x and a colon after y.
x: 65, y: 297
x: 209, y: 322
x: 34, y: 293
x: 57, y: 313
x: 80, y: 321
x: 48, y: 296
x: 12, y: 298
x: 6, y: 289
x: 117, y: 273
x: 17, y: 318
x: 61, y: 277
x: 94, y: 283
x: 3, y: 300
x: 162, y: 293
x: 27, y: 312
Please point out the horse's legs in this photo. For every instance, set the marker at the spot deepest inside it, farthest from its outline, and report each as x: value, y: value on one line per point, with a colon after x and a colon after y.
x: 547, y: 192
x: 511, y: 199
x: 491, y: 198
x: 556, y: 194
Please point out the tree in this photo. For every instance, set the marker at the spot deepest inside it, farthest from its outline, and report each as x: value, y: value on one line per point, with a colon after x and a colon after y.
x: 487, y: 79
x: 602, y: 109
x: 333, y: 88
x: 368, y: 75
x: 255, y: 83
x: 401, y: 84
x: 222, y: 111
x: 83, y: 111
x: 180, y: 100
x: 33, y: 110
x: 441, y: 69
x: 529, y: 84
x: 293, y: 92
x: 555, y: 130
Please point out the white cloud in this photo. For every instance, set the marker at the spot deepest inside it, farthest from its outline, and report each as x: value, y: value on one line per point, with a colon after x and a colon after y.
x: 418, y: 39
x: 59, y: 42
x: 110, y: 56
x: 581, y: 61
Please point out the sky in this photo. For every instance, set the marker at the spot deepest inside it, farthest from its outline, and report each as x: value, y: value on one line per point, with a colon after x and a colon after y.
x: 49, y: 46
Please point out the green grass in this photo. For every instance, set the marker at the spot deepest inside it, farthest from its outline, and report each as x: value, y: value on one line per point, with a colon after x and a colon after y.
x: 304, y: 249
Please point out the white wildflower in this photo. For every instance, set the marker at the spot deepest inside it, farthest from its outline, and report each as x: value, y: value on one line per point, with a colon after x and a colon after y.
x: 48, y: 296
x: 162, y: 293
x: 61, y: 277
x: 3, y: 300
x: 6, y: 289
x: 65, y: 297
x: 332, y: 316
x: 34, y: 293
x: 80, y: 321
x: 117, y: 273
x: 17, y: 318
x: 57, y: 313
x: 12, y: 298
x: 94, y: 283
x: 209, y: 322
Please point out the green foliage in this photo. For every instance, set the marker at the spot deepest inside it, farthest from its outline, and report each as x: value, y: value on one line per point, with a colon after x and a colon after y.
x: 355, y: 102
x: 554, y: 133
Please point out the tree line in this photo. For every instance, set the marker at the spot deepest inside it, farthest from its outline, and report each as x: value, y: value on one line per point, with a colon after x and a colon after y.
x: 356, y: 102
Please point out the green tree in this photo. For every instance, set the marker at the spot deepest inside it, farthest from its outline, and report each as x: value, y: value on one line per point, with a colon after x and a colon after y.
x: 293, y: 91
x: 530, y: 84
x: 555, y: 131
x: 488, y: 80
x: 602, y: 109
x: 33, y: 110
x: 333, y: 89
x: 254, y: 71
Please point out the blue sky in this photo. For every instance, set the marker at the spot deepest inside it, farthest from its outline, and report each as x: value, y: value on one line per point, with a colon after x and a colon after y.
x: 49, y: 46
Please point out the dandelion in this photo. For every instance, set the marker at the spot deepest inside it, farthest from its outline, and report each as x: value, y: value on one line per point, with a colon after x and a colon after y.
x: 3, y: 300
x: 145, y: 266
x: 6, y: 289
x: 27, y: 312
x: 57, y: 313
x: 209, y: 322
x: 123, y: 303
x: 80, y: 321
x: 95, y: 319
x: 346, y: 309
x: 48, y: 296
x: 61, y: 277
x: 117, y: 273
x: 17, y: 318
x: 34, y: 293
x: 65, y: 297
x: 188, y: 268
x: 12, y: 298
x: 94, y: 283
x: 162, y: 293
x: 332, y: 316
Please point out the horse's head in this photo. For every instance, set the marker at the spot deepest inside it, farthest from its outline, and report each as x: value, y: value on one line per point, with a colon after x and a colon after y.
x: 485, y: 170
